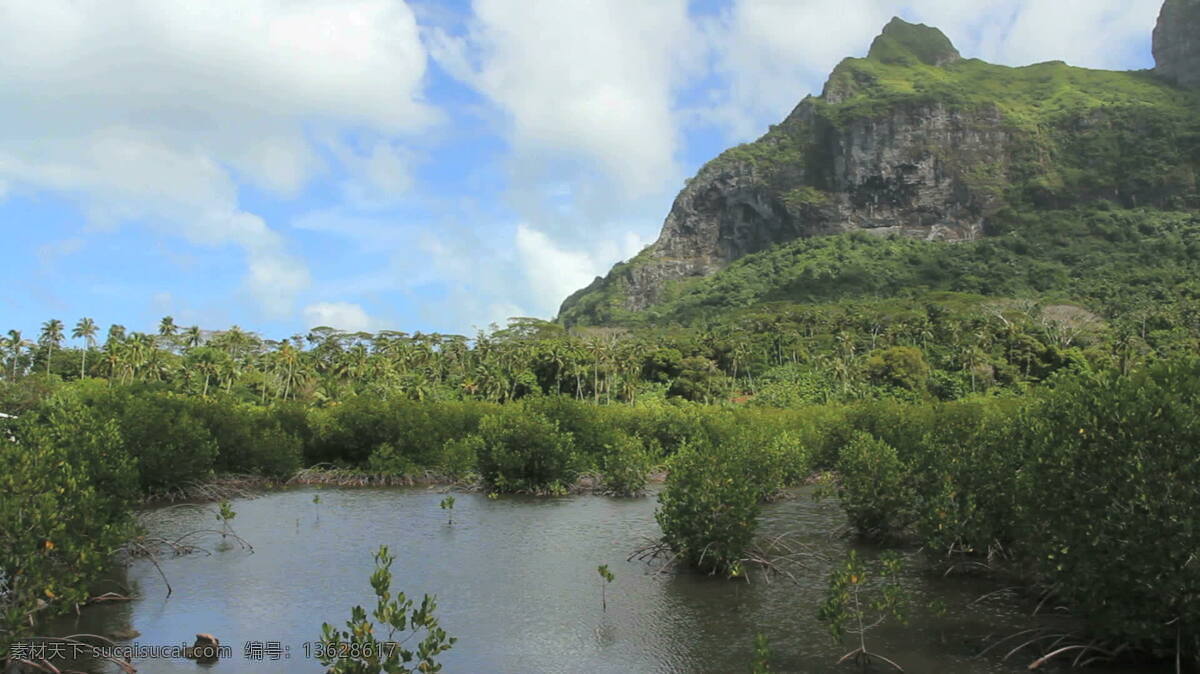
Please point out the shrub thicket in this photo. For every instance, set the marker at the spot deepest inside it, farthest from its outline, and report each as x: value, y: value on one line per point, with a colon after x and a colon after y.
x: 67, y: 488
x: 526, y: 452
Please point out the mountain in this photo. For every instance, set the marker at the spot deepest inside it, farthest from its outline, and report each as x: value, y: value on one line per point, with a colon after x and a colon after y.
x: 917, y: 142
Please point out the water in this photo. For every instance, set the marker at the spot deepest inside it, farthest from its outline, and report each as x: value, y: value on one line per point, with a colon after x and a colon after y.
x: 516, y: 582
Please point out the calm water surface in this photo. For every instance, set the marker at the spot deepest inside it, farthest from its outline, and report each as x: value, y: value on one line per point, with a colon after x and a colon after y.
x: 516, y: 582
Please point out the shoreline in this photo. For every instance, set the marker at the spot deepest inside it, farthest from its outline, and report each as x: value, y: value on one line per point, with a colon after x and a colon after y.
x: 236, y: 485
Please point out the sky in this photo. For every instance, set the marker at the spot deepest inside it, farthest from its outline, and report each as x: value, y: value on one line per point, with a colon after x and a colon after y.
x: 417, y: 166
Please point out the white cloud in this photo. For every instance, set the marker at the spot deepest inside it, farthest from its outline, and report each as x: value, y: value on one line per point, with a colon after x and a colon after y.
x: 581, y: 80
x: 341, y: 315
x: 378, y: 177
x: 553, y: 272
x: 1088, y: 33
x: 370, y: 234
x: 156, y: 112
x: 771, y: 54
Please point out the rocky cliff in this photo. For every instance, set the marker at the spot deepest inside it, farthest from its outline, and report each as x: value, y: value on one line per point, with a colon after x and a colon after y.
x: 916, y: 141
x: 1177, y: 42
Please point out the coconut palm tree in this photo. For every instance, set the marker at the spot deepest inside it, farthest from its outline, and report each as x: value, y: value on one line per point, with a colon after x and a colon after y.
x: 51, y: 337
x: 205, y: 361
x: 86, y: 330
x: 287, y: 364
x: 15, y: 344
x: 167, y: 329
x: 192, y: 337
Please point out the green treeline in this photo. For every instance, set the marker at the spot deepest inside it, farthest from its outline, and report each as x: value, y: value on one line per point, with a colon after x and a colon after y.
x: 840, y: 318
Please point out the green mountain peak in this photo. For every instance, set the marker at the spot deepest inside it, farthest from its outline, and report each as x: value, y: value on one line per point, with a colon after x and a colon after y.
x: 917, y: 143
x: 904, y: 43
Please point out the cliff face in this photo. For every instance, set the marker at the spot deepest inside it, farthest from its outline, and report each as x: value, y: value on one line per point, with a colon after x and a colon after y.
x: 916, y: 141
x: 1177, y: 42
x: 903, y: 172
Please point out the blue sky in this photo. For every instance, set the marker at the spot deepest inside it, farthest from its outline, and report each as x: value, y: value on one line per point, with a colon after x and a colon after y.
x: 432, y: 166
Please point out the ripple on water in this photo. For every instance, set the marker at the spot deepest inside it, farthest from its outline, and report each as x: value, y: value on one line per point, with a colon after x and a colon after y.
x: 516, y: 581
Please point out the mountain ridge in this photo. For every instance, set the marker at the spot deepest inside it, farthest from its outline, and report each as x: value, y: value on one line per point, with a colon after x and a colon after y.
x: 915, y: 140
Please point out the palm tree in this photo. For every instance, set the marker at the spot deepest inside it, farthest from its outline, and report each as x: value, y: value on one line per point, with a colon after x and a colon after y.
x: 52, y: 336
x: 286, y: 364
x: 192, y: 337
x: 167, y: 329
x: 15, y: 345
x: 205, y: 361
x: 86, y: 330
x: 112, y: 359
x: 236, y: 342
x: 116, y: 333
x: 138, y: 349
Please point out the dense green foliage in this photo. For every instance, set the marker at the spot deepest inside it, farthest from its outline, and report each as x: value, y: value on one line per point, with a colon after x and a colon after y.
x: 708, y: 511
x: 1113, y: 505
x: 626, y: 464
x: 1086, y: 488
x: 715, y: 488
x: 66, y: 493
x: 871, y: 487
x: 526, y: 452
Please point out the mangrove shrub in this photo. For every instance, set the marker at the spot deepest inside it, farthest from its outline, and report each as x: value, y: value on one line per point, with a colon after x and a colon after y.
x: 525, y: 452
x: 1113, y: 511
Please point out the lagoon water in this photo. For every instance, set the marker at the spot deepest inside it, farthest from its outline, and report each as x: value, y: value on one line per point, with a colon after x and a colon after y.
x: 516, y: 582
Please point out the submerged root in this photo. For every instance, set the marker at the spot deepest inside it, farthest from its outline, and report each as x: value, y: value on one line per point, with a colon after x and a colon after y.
x: 1052, y: 645
x: 862, y: 657
x: 776, y: 556
x: 221, y: 488
x: 153, y: 548
x: 780, y: 555
x: 329, y: 475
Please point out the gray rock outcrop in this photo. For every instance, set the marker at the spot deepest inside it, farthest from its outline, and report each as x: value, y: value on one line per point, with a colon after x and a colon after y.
x: 1177, y: 42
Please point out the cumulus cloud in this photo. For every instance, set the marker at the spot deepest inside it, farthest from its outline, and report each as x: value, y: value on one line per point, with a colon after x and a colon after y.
x: 581, y: 80
x: 553, y: 271
x: 157, y: 112
x: 773, y: 53
x: 1089, y: 33
x: 341, y: 315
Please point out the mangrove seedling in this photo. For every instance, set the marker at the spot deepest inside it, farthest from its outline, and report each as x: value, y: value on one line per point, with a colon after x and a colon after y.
x: 317, y: 505
x: 858, y: 601
x: 447, y: 504
x: 606, y: 578
x: 225, y: 513
x: 371, y: 654
x: 762, y: 655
